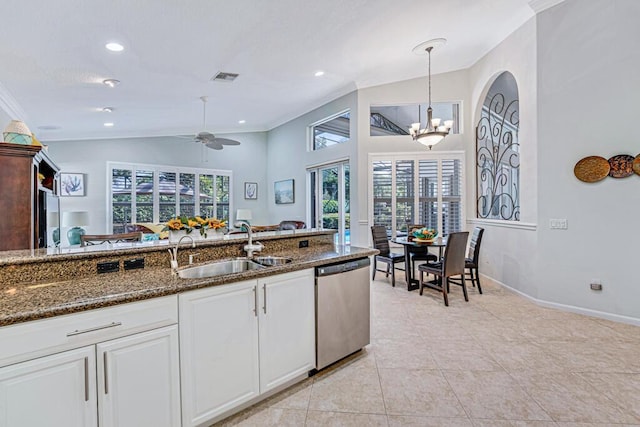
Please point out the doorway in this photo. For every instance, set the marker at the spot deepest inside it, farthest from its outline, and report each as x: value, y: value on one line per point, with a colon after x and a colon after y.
x: 329, y: 199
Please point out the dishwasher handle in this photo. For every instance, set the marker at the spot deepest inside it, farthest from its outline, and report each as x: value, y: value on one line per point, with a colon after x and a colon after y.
x: 342, y: 267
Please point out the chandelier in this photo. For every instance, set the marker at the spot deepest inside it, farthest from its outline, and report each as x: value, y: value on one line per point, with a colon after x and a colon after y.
x: 432, y: 132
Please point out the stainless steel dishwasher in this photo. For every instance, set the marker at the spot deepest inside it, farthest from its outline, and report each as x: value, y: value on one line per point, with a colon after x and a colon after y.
x: 342, y: 310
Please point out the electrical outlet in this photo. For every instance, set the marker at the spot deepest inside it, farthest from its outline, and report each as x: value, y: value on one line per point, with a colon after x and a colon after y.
x: 595, y: 285
x: 558, y: 224
x: 108, y: 267
x: 303, y: 244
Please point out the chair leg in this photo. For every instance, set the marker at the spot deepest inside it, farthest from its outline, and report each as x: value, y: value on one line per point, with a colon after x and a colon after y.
x: 464, y: 289
x: 375, y: 268
x: 387, y: 275
x: 421, y: 281
x: 444, y: 287
x: 393, y: 275
x: 478, y: 281
x: 473, y: 280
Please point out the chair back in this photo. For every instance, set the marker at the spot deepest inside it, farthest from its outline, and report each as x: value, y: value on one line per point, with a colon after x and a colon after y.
x: 474, y: 245
x: 380, y: 240
x: 291, y: 225
x: 454, y: 258
x: 97, y: 239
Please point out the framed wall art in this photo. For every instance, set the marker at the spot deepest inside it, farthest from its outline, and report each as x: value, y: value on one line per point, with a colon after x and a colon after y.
x: 72, y: 185
x: 284, y: 191
x: 251, y: 190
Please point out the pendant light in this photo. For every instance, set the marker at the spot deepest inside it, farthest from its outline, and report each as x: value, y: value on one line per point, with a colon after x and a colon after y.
x: 432, y: 132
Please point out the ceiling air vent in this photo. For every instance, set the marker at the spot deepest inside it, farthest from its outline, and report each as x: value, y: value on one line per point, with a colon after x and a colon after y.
x: 224, y: 77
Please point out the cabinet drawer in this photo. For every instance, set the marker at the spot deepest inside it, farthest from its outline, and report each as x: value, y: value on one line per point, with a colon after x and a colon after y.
x: 41, y: 337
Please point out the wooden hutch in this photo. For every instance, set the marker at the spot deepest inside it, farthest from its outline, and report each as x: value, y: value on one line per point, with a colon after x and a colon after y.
x: 28, y: 196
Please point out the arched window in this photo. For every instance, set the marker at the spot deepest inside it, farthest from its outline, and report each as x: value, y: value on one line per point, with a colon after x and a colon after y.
x: 498, y: 152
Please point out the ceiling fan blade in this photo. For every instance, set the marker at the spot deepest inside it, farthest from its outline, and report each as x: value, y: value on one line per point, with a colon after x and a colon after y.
x: 226, y: 141
x: 214, y: 145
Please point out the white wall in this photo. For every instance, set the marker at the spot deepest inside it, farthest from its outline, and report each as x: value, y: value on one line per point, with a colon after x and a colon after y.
x: 509, y: 254
x: 289, y: 156
x: 247, y: 161
x: 588, y: 61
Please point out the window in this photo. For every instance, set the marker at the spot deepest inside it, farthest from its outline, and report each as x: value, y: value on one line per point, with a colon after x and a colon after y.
x: 498, y: 152
x: 331, y: 131
x: 417, y: 189
x: 329, y: 199
x: 154, y: 194
x: 385, y: 120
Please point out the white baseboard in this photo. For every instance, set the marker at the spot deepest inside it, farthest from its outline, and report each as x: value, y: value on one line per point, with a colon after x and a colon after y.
x: 570, y: 308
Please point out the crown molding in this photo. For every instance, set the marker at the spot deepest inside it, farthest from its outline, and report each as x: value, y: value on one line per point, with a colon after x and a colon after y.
x: 540, y: 5
x: 10, y: 106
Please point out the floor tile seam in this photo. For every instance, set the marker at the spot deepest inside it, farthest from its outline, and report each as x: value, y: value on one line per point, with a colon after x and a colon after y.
x: 466, y: 412
x: 384, y: 401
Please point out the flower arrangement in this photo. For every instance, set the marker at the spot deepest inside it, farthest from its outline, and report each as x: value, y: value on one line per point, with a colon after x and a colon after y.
x: 194, y: 223
x: 425, y: 234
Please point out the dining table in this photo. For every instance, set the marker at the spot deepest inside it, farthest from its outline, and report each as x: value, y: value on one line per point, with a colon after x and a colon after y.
x: 412, y: 246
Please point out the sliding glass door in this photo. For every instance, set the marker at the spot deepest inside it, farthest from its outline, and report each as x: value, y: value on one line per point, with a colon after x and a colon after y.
x: 329, y: 199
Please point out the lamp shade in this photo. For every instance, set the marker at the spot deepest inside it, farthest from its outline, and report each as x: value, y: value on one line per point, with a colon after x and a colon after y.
x: 75, y: 218
x: 243, y: 214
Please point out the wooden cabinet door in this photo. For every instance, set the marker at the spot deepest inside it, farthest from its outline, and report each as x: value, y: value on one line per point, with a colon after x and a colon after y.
x: 218, y: 350
x: 287, y: 327
x: 56, y: 391
x: 139, y: 379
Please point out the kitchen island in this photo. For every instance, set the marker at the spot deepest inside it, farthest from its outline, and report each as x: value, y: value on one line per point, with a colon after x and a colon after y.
x: 200, y: 349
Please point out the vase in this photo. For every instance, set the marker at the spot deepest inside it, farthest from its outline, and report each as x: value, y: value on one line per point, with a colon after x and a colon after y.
x: 176, y: 235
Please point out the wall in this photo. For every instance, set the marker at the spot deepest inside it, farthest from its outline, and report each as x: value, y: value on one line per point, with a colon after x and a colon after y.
x: 288, y: 157
x: 247, y: 161
x: 509, y: 255
x: 588, y: 60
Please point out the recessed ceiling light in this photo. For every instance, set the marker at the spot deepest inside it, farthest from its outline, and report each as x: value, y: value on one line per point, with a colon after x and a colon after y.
x: 319, y: 73
x: 242, y: 122
x: 108, y: 109
x: 111, y: 82
x: 108, y: 125
x: 114, y: 47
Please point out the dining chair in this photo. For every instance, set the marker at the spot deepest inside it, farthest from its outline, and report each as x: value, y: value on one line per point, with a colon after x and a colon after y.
x: 453, y: 264
x: 381, y: 243
x: 97, y: 239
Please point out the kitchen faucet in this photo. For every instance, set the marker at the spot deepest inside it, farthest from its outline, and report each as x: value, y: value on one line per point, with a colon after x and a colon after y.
x: 174, y: 253
x: 250, y: 247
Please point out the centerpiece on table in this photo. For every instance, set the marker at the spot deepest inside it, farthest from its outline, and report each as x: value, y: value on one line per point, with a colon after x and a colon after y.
x: 183, y: 225
x: 424, y: 235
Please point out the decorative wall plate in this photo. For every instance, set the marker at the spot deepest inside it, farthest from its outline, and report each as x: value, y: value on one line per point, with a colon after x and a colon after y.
x: 621, y: 166
x: 592, y: 169
x: 636, y: 164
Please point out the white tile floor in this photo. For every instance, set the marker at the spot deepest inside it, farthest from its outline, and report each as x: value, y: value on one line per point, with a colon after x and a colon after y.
x: 498, y: 360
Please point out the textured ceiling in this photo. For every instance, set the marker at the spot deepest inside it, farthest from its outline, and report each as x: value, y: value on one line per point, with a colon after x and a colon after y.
x: 54, y: 60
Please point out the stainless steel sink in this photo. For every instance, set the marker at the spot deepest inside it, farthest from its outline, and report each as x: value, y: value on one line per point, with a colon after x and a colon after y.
x: 219, y: 268
x: 272, y: 260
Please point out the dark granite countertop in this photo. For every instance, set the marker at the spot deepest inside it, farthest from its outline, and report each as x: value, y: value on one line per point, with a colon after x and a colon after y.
x: 32, y: 301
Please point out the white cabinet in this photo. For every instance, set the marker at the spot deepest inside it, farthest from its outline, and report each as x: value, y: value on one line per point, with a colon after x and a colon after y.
x: 57, y: 390
x: 287, y: 327
x: 112, y: 377
x: 139, y: 380
x: 218, y: 350
x: 240, y: 340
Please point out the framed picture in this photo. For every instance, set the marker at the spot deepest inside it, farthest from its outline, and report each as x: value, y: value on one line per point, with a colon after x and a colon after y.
x: 284, y: 191
x: 72, y: 184
x: 251, y: 190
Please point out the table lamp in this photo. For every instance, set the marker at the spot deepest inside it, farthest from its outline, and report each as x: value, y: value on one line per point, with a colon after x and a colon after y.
x: 243, y: 215
x: 75, y: 220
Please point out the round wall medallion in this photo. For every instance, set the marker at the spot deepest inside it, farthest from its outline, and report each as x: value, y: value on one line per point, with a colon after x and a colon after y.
x: 592, y: 169
x: 636, y: 164
x: 621, y: 166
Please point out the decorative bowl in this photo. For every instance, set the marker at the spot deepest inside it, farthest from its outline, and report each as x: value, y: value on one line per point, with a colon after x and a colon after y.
x: 424, y: 234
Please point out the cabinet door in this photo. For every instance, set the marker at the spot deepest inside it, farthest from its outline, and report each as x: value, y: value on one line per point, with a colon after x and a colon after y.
x: 287, y: 327
x: 218, y: 350
x: 57, y: 390
x: 138, y: 379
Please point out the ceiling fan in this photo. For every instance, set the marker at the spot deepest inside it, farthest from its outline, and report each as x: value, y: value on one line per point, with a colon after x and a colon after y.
x: 207, y: 138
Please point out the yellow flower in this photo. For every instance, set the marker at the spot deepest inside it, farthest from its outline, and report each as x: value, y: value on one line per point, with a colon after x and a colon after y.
x: 174, y: 224
x: 216, y: 223
x: 200, y: 220
x: 191, y: 223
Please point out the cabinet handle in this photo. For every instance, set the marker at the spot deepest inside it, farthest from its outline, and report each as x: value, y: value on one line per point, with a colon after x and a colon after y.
x: 255, y: 301
x: 86, y: 379
x: 264, y: 291
x: 97, y: 328
x: 106, y: 378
